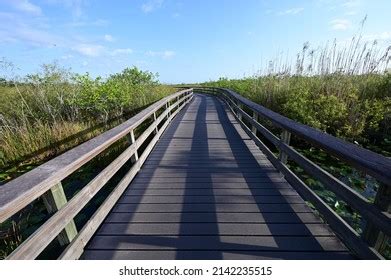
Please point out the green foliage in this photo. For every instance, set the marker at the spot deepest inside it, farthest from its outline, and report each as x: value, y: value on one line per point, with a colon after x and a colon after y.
x: 125, y: 91
x: 345, y: 106
x: 42, y: 109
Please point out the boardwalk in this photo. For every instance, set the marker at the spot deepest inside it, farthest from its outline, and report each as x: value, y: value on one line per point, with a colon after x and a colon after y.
x: 207, y: 192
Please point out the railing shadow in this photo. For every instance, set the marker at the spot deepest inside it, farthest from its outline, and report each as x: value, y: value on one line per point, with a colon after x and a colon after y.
x: 207, y: 214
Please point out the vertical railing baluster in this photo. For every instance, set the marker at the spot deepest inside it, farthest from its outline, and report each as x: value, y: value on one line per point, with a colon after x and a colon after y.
x: 132, y: 139
x: 373, y: 236
x: 154, y: 120
x: 285, y: 138
x: 253, y: 127
x: 54, y: 199
x: 168, y: 106
x: 239, y: 114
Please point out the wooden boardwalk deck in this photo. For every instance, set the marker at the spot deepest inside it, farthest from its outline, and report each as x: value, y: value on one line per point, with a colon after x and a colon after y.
x: 207, y: 192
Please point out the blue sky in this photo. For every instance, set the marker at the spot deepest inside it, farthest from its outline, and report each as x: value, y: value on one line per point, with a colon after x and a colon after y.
x: 182, y: 40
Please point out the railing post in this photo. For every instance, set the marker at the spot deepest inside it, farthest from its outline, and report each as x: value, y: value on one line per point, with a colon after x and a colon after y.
x: 167, y: 106
x: 240, y: 106
x: 285, y: 138
x: 154, y: 120
x: 373, y: 236
x: 54, y: 199
x: 253, y: 127
x: 132, y: 139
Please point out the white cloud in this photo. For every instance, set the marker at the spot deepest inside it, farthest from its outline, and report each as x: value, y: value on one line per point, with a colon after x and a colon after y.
x: 81, y: 23
x: 20, y: 28
x: 121, y: 52
x: 151, y: 6
x: 351, y: 4
x: 89, y: 50
x: 25, y: 6
x: 351, y: 13
x: 268, y: 11
x: 340, y: 24
x: 168, y: 54
x: 75, y: 6
x: 66, y: 57
x: 384, y: 36
x: 109, y: 38
x: 293, y: 11
x: 163, y: 54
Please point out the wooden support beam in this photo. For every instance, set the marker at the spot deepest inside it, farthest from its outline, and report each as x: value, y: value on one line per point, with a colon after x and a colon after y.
x: 154, y: 119
x: 239, y: 114
x: 285, y: 138
x: 168, y: 113
x: 54, y: 200
x: 253, y: 127
x: 375, y: 237
x: 134, y: 158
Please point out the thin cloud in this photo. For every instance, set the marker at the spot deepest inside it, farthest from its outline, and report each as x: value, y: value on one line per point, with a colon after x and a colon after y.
x: 117, y: 52
x: 351, y: 4
x: 90, y: 50
x: 97, y: 23
x: 19, y: 28
x: 25, y: 6
x: 75, y: 6
x: 340, y: 24
x: 163, y: 54
x: 108, y: 38
x: 293, y: 11
x: 151, y: 6
x: 384, y: 36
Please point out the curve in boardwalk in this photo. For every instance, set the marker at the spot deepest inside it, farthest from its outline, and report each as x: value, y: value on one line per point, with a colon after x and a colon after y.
x: 207, y: 192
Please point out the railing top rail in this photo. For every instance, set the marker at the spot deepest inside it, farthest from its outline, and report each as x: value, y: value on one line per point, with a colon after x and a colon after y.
x: 372, y: 163
x: 18, y: 193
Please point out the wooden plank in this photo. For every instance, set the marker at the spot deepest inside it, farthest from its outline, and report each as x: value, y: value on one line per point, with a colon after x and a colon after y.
x: 251, y: 243
x: 227, y: 229
x: 212, y: 207
x: 202, y: 164
x: 55, y: 199
x: 215, y: 178
x: 212, y: 255
x: 227, y: 199
x: 209, y: 185
x: 205, y: 175
x: 219, y: 192
x: 213, y: 217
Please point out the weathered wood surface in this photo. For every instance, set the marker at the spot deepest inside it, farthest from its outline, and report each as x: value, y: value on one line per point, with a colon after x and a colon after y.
x: 21, y: 191
x: 76, y: 248
x: 377, y: 215
x: 207, y: 192
x: 374, y: 164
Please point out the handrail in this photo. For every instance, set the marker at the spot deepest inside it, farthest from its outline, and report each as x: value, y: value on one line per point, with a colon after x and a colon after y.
x: 370, y: 162
x: 20, y: 192
x: 376, y: 214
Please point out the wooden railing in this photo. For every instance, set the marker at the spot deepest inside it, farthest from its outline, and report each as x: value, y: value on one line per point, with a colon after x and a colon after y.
x: 45, y: 181
x: 377, y: 214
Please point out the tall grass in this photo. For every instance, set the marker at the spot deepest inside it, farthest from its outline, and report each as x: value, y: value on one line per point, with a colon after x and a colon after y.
x: 342, y: 89
x: 39, y: 111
